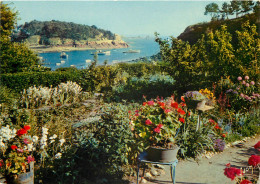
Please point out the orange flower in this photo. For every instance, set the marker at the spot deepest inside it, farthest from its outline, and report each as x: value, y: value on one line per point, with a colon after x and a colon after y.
x: 182, y: 98
x: 223, y: 135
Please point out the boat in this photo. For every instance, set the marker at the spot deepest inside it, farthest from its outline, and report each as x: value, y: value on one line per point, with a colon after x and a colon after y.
x: 132, y: 51
x: 88, y: 60
x: 57, y: 64
x: 63, y: 55
x: 62, y: 61
x: 100, y: 52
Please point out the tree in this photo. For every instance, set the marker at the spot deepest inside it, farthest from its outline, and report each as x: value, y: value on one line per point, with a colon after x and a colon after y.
x: 247, y: 6
x: 8, y: 20
x: 213, y: 10
x: 14, y: 57
x: 236, y: 7
x: 225, y: 10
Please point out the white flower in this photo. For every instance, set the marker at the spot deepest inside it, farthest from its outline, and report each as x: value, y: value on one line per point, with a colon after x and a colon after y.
x: 29, y: 147
x: 45, y: 130
x: 52, y: 141
x: 2, y: 145
x: 35, y: 139
x: 58, y: 156
x: 53, y: 137
x: 62, y: 141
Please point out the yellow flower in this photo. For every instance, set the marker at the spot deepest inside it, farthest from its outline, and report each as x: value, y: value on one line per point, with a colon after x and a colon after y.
x: 143, y: 134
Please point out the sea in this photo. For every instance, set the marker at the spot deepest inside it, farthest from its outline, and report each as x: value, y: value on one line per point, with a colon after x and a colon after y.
x: 80, y: 59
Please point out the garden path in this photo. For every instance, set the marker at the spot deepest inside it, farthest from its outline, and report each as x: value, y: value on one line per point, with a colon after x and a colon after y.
x: 210, y: 171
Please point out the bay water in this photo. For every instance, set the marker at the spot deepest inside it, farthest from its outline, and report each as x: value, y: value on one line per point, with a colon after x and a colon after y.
x: 80, y: 59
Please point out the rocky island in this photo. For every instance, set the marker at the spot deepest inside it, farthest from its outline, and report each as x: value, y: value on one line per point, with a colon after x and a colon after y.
x: 56, y: 36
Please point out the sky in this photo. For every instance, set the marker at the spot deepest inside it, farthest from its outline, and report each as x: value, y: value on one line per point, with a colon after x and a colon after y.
x: 126, y: 18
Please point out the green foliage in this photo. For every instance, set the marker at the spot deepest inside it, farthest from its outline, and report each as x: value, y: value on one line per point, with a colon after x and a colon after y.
x: 104, y: 143
x: 149, y: 85
x: 194, y: 142
x: 212, y: 9
x: 7, y: 96
x: 14, y: 57
x: 212, y: 57
x: 8, y: 20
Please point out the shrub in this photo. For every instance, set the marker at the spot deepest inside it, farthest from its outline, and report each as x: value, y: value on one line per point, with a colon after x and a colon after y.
x: 151, y: 86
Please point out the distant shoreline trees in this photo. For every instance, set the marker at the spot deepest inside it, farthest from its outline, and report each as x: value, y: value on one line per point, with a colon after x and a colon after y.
x: 236, y: 7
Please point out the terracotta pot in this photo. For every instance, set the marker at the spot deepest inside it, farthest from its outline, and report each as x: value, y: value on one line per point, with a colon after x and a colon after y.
x: 162, y: 154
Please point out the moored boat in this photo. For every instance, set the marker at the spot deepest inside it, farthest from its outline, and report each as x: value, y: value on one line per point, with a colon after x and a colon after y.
x: 132, y: 51
x: 100, y: 52
x: 63, y: 55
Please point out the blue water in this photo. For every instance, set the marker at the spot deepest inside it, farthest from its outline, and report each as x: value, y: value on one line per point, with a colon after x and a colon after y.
x: 147, y: 47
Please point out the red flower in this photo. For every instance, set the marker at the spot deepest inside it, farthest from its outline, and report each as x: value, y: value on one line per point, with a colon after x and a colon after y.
x: 257, y: 146
x: 167, y: 110
x: 223, y: 135
x: 231, y: 172
x: 129, y: 112
x: 27, y: 127
x: 228, y: 165
x: 1, y: 163
x: 21, y: 132
x: 162, y: 104
x: 160, y: 125
x: 181, y: 120
x: 157, y: 130
x: 144, y: 103
x: 175, y: 105
x: 254, y: 160
x: 148, y: 122
x: 13, y: 147
x: 151, y: 103
x: 246, y: 182
x: 182, y: 98
x: 182, y: 112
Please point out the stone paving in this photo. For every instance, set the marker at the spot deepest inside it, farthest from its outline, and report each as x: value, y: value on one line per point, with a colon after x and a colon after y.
x: 209, y: 170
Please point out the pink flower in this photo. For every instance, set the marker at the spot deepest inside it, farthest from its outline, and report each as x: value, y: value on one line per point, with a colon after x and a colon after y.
x: 244, y: 82
x: 26, y: 141
x: 245, y: 182
x: 254, y: 160
x: 148, y: 122
x: 252, y: 83
x: 239, y: 78
x: 157, y: 130
x: 167, y: 110
x: 151, y: 103
x: 30, y: 159
x: 247, y: 85
x: 246, y: 77
x: 242, y: 95
x: 19, y: 150
x: 160, y: 125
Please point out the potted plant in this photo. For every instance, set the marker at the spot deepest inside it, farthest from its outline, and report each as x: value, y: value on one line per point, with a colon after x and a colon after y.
x: 194, y: 99
x: 155, y: 124
x: 17, y: 150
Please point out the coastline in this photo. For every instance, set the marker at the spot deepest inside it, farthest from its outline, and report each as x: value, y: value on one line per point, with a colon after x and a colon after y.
x: 92, y: 46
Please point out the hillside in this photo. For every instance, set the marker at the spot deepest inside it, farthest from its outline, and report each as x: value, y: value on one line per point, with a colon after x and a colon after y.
x: 194, y: 32
x: 66, y: 34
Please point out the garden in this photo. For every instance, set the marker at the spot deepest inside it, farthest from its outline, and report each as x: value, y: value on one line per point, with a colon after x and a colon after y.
x: 90, y: 125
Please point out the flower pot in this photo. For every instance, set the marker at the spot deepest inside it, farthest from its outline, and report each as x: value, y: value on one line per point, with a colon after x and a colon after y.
x: 25, y: 178
x: 195, y: 104
x: 162, y: 154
